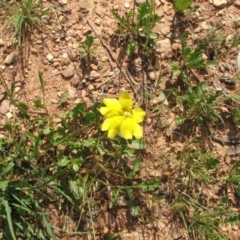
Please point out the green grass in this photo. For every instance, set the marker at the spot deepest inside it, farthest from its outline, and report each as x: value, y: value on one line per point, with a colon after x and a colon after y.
x: 24, y: 16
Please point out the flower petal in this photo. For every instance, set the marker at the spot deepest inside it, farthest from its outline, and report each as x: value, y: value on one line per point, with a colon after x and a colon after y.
x: 113, y: 107
x: 112, y: 125
x: 113, y: 132
x: 128, y: 127
x: 138, y: 115
x: 126, y: 101
x: 138, y: 132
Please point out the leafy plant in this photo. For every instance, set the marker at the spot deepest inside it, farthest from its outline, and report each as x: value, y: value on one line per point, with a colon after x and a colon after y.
x: 200, y: 104
x: 87, y: 48
x: 136, y: 27
x: 25, y: 15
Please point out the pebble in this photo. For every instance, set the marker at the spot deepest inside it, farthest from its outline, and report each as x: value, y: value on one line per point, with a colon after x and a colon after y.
x: 91, y: 87
x: 9, y: 115
x: 163, y: 46
x: 104, y: 58
x: 98, y: 22
x: 237, y: 3
x: 50, y: 57
x: 4, y: 107
x: 71, y: 91
x: 152, y: 75
x: 93, y: 75
x: 75, y: 80
x: 34, y: 51
x: 10, y: 58
x: 1, y: 43
x: 86, y: 31
x: 54, y: 101
x: 126, y: 5
x: 220, y: 3
x: 139, y: 2
x: 68, y: 72
x: 64, y: 2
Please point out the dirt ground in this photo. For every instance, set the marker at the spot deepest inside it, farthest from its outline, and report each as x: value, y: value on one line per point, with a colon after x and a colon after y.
x: 53, y: 50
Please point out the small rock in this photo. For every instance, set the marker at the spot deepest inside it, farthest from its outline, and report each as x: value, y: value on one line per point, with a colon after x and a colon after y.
x: 166, y: 31
x: 34, y: 51
x: 139, y: 2
x: 71, y: 54
x: 152, y: 76
x: 86, y: 31
x: 54, y: 101
x: 163, y: 46
x: 98, y: 22
x: 176, y: 47
x: 104, y: 58
x: 75, y: 81
x: 64, y: 2
x: 68, y: 72
x: 94, y: 75
x: 71, y: 91
x: 10, y: 58
x: 220, y: 3
x: 1, y: 43
x: 9, y: 115
x: 50, y: 57
x: 4, y: 107
x: 237, y: 3
x: 126, y: 5
x: 94, y: 67
x: 56, y: 64
x: 91, y: 87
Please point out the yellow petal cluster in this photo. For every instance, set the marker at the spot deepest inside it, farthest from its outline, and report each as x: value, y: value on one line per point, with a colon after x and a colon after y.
x: 121, y: 118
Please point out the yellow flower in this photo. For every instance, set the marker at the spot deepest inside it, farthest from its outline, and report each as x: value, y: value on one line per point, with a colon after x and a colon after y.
x: 121, y: 118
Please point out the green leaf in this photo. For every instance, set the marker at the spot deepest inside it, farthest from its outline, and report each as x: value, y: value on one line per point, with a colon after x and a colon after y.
x: 9, y: 218
x: 135, y: 211
x: 7, y: 169
x: 41, y: 81
x: 131, y: 47
x: 136, y: 167
x: 89, y: 41
x: 77, y: 191
x: 137, y: 144
x: 38, y: 103
x: 178, y: 207
x: 235, y: 179
x: 3, y: 185
x: 63, y: 98
x: 63, y: 162
x: 75, y: 167
x: 149, y: 185
x: 181, y: 5
x: 212, y: 162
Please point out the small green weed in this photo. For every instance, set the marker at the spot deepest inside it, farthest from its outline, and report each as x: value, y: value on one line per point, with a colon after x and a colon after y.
x: 181, y: 5
x: 200, y: 104
x: 87, y: 48
x: 136, y: 27
x: 25, y: 15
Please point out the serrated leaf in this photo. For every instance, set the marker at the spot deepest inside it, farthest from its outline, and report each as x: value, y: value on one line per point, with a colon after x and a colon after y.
x: 3, y: 185
x: 150, y: 185
x: 181, y: 5
x: 63, y: 98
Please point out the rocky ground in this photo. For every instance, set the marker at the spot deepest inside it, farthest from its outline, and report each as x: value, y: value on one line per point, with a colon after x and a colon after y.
x: 53, y: 50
